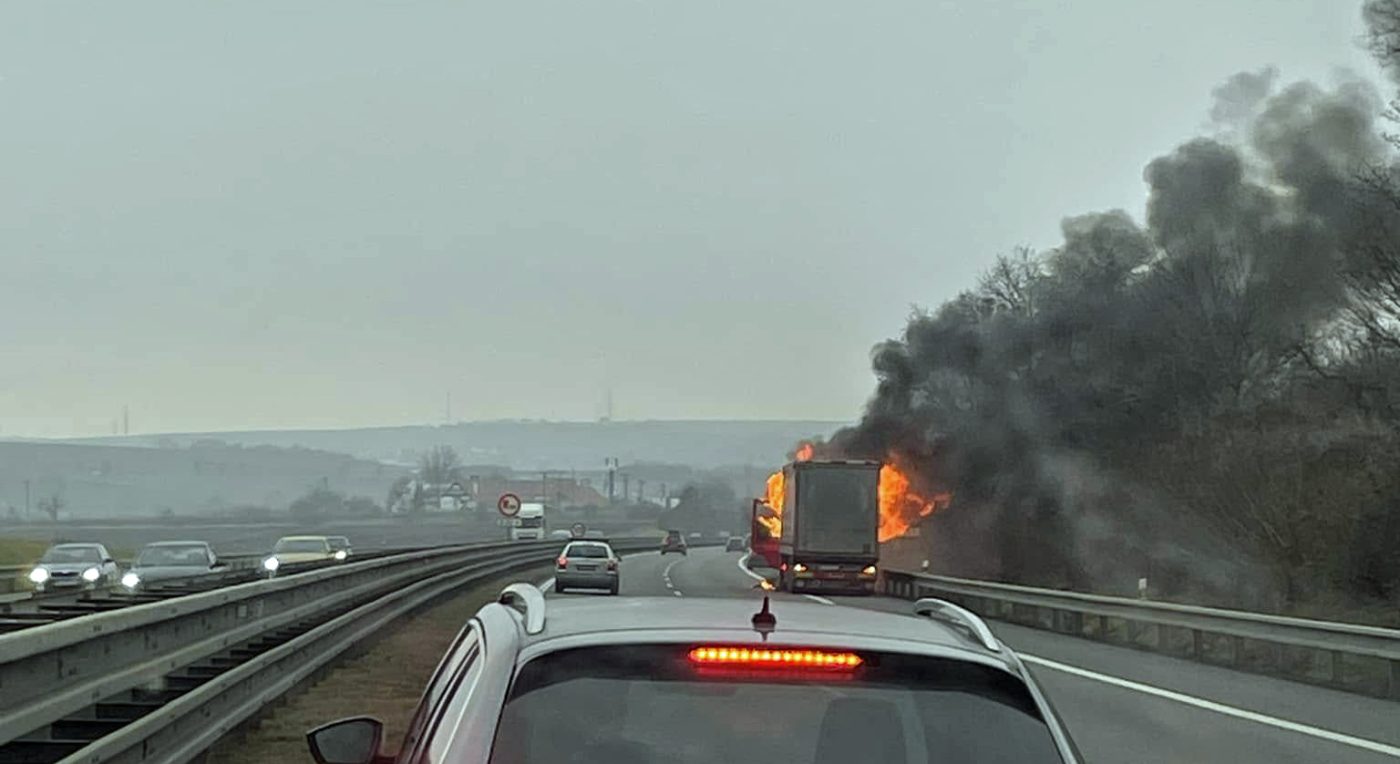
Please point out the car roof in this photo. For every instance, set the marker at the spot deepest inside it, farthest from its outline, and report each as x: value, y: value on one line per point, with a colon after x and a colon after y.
x: 178, y: 543
x: 629, y: 617
x: 77, y: 545
x: 588, y: 542
x: 303, y: 538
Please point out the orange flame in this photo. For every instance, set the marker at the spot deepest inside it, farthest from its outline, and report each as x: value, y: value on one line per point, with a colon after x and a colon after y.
x: 804, y: 452
x: 900, y: 507
x: 774, y: 521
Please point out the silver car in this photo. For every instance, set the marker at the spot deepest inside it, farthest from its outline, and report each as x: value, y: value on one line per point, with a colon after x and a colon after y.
x: 586, y: 565
x: 536, y: 681
x: 74, y: 566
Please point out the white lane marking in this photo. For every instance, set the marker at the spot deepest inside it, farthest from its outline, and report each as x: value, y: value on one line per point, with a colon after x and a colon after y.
x: 743, y: 558
x: 1220, y: 708
x: 822, y: 600
x: 666, y: 574
x: 546, y: 584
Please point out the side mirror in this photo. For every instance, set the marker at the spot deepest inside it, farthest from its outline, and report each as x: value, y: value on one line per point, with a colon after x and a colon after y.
x: 348, y: 741
x: 108, y: 561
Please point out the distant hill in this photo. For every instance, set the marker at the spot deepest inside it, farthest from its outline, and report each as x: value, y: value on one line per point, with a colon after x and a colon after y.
x: 103, y: 481
x: 526, y: 445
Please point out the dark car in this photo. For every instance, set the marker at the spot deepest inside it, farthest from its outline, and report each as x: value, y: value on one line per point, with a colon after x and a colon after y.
x: 735, y: 544
x: 168, y: 560
x: 586, y: 565
x: 674, y: 542
x: 733, y: 680
x: 340, y: 547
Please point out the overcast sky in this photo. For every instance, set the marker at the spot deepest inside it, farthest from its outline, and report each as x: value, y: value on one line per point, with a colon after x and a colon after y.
x: 320, y: 214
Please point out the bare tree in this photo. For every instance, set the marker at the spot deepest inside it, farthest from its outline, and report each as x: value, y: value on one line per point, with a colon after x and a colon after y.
x: 51, y: 506
x: 440, y: 465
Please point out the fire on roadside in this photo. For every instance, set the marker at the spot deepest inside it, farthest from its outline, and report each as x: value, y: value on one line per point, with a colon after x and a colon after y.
x: 901, y: 508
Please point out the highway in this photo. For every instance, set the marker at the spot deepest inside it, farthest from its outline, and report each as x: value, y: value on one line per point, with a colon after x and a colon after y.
x: 1120, y: 704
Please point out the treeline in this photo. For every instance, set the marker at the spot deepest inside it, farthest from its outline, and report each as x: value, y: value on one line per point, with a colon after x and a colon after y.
x: 1209, y: 398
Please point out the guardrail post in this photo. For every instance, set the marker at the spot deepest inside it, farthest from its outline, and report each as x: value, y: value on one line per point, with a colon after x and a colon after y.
x: 1236, y: 651
x: 1393, y: 681
x: 1197, y: 645
x: 1334, y: 666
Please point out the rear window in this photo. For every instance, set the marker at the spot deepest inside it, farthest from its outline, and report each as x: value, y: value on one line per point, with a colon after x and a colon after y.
x: 631, y: 704
x: 586, y: 550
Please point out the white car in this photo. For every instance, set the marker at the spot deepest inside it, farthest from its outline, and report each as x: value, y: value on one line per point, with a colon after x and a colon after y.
x: 74, y: 566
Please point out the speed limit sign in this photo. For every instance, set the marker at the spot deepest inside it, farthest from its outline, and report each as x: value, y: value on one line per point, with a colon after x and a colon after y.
x: 508, y: 505
x: 577, y: 530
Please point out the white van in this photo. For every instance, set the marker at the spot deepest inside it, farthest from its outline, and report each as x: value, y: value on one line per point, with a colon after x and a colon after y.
x: 529, y: 524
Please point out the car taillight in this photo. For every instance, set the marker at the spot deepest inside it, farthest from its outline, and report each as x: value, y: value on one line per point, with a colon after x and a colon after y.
x: 612, y: 564
x: 562, y: 562
x: 774, y: 658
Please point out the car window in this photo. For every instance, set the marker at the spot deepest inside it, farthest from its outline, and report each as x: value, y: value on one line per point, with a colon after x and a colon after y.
x: 292, y: 546
x: 192, y: 554
x: 449, y: 674
x: 587, y: 550
x: 661, y: 709
x: 70, y: 554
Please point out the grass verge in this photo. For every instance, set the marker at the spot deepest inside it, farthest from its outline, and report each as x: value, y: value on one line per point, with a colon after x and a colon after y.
x: 381, y: 678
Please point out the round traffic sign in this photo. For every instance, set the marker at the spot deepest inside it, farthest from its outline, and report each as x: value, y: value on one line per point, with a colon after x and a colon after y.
x: 577, y: 530
x: 508, y: 505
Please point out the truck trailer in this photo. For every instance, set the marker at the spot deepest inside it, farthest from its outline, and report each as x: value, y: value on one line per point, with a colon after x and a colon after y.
x: 830, y: 540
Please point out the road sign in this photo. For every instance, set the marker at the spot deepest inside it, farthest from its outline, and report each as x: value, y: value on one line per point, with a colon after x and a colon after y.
x: 577, y: 530
x: 508, y: 505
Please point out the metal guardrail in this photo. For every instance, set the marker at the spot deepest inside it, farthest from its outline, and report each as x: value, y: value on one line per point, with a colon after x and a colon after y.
x: 1362, y: 659
x: 63, y: 670
x: 11, y: 577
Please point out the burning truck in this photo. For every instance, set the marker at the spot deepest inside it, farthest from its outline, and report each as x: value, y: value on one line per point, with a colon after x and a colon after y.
x: 821, y: 521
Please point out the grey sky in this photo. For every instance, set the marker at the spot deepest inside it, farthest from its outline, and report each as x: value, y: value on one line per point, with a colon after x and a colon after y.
x: 245, y: 215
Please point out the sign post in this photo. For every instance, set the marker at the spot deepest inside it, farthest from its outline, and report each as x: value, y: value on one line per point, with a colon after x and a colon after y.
x: 509, y: 506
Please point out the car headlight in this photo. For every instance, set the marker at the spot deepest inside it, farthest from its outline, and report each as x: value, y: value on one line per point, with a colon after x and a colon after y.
x: 270, y: 565
x: 91, y: 574
x: 39, y: 575
x: 799, y: 568
x: 130, y: 580
x: 340, y: 554
x: 869, y: 570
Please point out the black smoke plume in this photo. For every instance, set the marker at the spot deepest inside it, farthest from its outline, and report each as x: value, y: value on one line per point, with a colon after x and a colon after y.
x: 1036, y: 396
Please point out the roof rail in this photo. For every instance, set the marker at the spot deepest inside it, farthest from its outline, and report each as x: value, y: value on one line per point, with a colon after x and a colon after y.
x: 529, y: 601
x: 946, y: 611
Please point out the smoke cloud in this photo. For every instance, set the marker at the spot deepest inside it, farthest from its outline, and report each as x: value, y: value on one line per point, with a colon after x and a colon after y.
x: 1037, y: 396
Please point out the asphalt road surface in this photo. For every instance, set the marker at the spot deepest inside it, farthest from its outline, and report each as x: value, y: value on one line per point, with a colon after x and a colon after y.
x: 1121, y: 705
